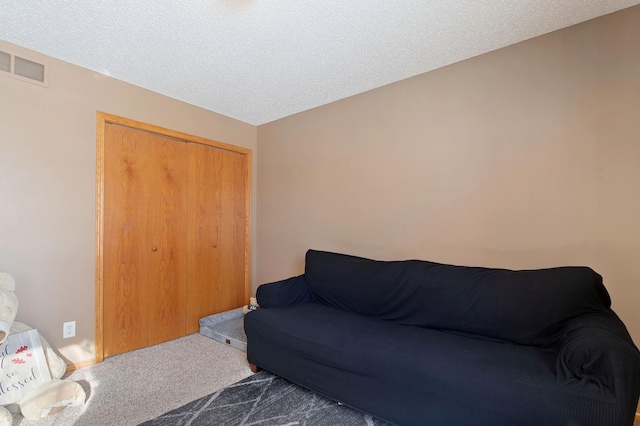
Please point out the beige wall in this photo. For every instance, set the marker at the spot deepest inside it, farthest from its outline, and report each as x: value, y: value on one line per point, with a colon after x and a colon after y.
x: 47, y: 186
x: 525, y: 157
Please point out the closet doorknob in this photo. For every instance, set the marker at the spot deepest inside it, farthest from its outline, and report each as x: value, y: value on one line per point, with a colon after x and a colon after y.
x: 154, y: 249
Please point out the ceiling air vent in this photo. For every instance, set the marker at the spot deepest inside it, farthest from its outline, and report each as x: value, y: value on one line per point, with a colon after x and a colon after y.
x: 25, y: 69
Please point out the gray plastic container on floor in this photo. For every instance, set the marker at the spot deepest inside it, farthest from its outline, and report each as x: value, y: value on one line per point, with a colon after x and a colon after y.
x: 226, y: 327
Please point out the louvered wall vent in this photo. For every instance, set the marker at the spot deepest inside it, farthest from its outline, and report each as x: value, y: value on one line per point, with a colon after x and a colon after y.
x: 25, y: 69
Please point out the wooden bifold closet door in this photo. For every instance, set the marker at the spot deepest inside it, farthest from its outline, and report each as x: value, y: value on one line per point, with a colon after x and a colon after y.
x: 216, y: 233
x: 174, y: 244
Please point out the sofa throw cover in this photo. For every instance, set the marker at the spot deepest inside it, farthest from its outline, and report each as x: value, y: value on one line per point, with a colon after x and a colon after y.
x: 524, y: 307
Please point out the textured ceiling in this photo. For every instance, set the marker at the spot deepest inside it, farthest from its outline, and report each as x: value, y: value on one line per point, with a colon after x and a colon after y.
x: 260, y: 60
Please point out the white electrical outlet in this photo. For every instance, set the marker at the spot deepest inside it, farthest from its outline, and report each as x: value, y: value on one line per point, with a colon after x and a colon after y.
x: 68, y: 329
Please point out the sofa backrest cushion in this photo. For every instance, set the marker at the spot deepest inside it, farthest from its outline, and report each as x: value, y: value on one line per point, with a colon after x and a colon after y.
x: 525, y: 307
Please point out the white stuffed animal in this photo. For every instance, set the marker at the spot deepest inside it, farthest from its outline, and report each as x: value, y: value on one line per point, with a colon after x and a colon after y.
x: 46, y: 398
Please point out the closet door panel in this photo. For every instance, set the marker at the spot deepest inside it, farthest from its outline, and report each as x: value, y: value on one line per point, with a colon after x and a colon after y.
x: 125, y: 272
x: 202, y: 233
x: 216, y: 232
x: 166, y: 245
x: 232, y: 235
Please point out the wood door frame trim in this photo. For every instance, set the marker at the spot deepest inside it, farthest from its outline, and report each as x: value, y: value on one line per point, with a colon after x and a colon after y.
x: 102, y: 119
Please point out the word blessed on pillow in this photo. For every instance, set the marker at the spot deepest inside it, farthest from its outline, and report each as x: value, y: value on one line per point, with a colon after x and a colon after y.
x: 22, y: 365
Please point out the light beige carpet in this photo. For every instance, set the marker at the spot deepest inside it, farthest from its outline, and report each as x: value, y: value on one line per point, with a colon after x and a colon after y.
x: 137, y: 386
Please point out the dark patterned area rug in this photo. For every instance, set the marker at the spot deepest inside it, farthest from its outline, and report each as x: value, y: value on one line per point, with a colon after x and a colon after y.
x: 264, y: 399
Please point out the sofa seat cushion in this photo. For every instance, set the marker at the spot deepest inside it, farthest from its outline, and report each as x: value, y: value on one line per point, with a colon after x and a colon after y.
x: 526, y: 307
x: 428, y: 374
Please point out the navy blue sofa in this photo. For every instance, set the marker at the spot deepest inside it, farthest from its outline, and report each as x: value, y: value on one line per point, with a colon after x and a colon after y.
x: 421, y: 343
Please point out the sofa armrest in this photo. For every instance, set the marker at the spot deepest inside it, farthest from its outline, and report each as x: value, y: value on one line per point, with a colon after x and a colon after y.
x: 287, y: 292
x: 597, y: 353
